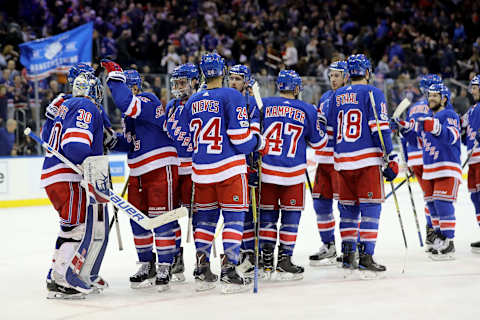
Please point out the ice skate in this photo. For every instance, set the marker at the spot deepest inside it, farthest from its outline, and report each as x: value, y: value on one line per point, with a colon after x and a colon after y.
x: 204, y: 278
x: 232, y: 281
x: 430, y: 239
x: 349, y: 260
x: 286, y: 270
x: 443, y: 250
x: 56, y: 291
x: 369, y: 269
x: 178, y: 268
x: 247, y: 264
x: 268, y: 261
x: 145, y: 276
x: 475, y: 247
x: 162, y: 281
x: 327, y: 256
x: 99, y: 284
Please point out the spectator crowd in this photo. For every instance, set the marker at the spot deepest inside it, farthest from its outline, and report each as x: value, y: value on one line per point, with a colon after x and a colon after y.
x: 404, y: 38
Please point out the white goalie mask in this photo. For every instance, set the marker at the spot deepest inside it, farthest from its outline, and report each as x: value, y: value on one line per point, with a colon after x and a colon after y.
x: 87, y: 85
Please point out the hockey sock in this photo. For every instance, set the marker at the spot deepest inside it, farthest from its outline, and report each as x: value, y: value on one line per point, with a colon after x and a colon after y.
x: 325, y: 219
x: 475, y: 196
x: 232, y: 234
x: 370, y: 216
x: 434, y: 216
x: 428, y: 217
x: 349, y: 223
x: 178, y: 236
x: 205, y: 226
x: 446, y: 214
x: 288, y: 231
x: 165, y: 242
x: 143, y: 240
x: 268, y: 227
x: 248, y: 239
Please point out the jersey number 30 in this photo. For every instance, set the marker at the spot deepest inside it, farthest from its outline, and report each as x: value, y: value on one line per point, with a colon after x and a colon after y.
x: 349, y: 125
x: 208, y: 134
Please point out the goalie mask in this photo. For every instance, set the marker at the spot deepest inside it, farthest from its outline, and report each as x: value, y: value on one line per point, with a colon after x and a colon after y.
x: 87, y: 85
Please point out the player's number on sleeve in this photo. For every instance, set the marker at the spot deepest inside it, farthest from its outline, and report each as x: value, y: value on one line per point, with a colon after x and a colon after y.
x: 208, y: 134
x: 349, y: 125
x: 274, y: 134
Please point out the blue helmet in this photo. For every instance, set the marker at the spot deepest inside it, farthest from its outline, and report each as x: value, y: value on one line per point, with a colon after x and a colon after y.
x: 428, y: 80
x: 445, y: 92
x: 441, y: 89
x: 288, y: 80
x: 76, y: 70
x: 475, y: 81
x: 212, y: 65
x: 188, y: 70
x: 185, y: 71
x: 133, y: 78
x: 242, y: 70
x: 339, y: 66
x: 358, y: 64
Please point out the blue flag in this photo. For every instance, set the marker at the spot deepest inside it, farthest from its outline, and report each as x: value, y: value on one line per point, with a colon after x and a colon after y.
x: 57, y: 53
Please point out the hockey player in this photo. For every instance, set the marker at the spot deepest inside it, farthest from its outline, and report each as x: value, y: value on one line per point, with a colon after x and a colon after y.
x: 472, y: 122
x: 413, y: 151
x: 289, y: 126
x: 222, y: 137
x: 75, y: 129
x: 442, y: 174
x: 358, y: 159
x: 324, y: 188
x: 153, y: 163
x: 184, y: 80
x: 240, y: 79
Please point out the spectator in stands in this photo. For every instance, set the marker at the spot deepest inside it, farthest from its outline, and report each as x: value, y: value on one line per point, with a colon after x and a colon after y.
x: 3, y: 105
x: 171, y: 60
x: 7, y: 138
x: 290, y: 58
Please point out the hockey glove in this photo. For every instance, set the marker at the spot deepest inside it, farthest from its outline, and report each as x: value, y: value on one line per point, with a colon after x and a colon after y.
x: 401, y: 125
x: 52, y: 109
x: 109, y: 138
x: 114, y: 71
x: 391, y: 170
x: 261, y: 145
x: 432, y: 125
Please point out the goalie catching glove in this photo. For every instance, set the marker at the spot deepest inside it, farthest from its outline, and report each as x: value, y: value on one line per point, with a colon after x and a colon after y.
x: 390, y: 171
x: 114, y: 71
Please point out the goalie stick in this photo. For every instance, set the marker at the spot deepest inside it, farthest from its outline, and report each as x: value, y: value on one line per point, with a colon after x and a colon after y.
x: 123, y: 205
x: 402, y: 106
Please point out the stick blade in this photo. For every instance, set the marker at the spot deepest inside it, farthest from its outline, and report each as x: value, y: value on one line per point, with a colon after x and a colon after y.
x: 404, y: 104
x: 167, y: 217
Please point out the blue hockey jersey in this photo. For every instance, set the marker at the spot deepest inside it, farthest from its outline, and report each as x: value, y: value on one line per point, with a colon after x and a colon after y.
x: 419, y: 109
x: 289, y: 125
x: 325, y: 155
x: 220, y: 127
x: 356, y: 140
x: 473, y: 126
x: 179, y: 131
x: 441, y: 153
x: 144, y: 137
x: 77, y: 133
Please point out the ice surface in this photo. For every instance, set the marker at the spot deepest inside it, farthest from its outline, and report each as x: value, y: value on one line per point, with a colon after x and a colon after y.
x: 440, y: 290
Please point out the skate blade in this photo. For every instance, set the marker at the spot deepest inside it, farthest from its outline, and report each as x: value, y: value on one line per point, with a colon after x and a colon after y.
x: 441, y: 257
x: 63, y: 296
x: 350, y: 274
x: 328, y: 262
x: 204, y: 286
x: 229, y: 288
x: 371, y: 275
x: 96, y: 290
x: 287, y: 276
x: 178, y: 277
x: 142, y: 285
x: 162, y: 287
x: 476, y: 250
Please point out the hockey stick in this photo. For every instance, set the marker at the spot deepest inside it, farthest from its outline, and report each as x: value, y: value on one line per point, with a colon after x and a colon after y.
x: 123, y: 205
x: 396, y: 188
x: 190, y: 214
x: 407, y: 178
x: 256, y: 214
x: 382, y: 142
x: 115, y: 217
x: 402, y: 106
x: 310, y: 186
